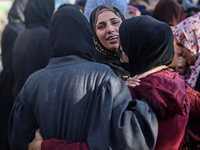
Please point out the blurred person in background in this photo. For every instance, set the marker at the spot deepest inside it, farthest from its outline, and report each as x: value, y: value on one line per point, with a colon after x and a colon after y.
x: 144, y: 6
x: 170, y: 12
x: 81, y: 4
x: 132, y: 11
x: 12, y: 29
x: 32, y: 47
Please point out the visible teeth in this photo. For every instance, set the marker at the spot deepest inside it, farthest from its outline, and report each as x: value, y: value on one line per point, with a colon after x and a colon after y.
x: 114, y: 37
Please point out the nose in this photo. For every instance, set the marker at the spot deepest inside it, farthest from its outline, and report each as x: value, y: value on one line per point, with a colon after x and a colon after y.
x: 179, y: 51
x: 110, y: 28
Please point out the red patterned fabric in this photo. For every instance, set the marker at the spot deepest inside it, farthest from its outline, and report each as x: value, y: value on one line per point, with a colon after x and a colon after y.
x: 188, y: 33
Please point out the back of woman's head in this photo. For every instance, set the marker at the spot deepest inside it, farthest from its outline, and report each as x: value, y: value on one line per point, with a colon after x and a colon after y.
x: 39, y: 12
x: 147, y: 42
x: 70, y: 34
x: 168, y: 11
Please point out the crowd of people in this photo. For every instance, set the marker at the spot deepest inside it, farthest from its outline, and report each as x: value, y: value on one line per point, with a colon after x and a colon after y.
x: 100, y: 74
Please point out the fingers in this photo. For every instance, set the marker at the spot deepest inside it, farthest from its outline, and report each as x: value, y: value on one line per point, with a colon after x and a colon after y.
x: 180, y: 62
x: 36, y: 143
x: 132, y: 82
x: 38, y: 136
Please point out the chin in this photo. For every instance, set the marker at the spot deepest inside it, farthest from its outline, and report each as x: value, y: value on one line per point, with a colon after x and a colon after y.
x: 114, y: 49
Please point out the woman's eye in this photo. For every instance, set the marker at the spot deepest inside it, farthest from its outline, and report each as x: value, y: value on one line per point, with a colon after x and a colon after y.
x: 100, y: 27
x: 115, y: 22
x: 179, y: 44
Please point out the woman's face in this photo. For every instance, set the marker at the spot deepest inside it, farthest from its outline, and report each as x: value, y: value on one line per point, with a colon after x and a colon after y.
x: 185, y: 53
x: 107, y: 30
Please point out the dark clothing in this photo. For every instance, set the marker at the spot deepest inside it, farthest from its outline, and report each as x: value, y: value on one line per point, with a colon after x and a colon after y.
x: 104, y: 55
x: 112, y: 60
x: 166, y: 92
x: 32, y: 47
x: 16, y: 12
x: 9, y: 36
x: 77, y: 99
x: 192, y: 134
x: 31, y: 52
x: 142, y: 9
x: 12, y: 29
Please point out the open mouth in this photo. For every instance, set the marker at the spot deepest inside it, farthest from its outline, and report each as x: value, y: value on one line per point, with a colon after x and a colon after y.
x: 112, y: 38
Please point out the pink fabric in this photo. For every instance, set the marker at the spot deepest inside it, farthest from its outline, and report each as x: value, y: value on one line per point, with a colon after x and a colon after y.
x: 166, y: 92
x: 55, y: 144
x: 188, y: 33
x: 132, y: 11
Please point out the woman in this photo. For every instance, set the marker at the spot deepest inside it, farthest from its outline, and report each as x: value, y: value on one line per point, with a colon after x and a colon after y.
x: 187, y: 36
x: 31, y: 51
x: 105, y: 21
x: 148, y: 52
x: 12, y: 29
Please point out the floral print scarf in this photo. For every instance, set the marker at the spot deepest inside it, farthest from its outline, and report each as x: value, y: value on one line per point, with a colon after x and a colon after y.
x: 188, y: 33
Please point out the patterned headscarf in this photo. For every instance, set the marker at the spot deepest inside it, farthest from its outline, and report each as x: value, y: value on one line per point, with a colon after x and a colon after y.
x: 188, y: 33
x: 132, y: 11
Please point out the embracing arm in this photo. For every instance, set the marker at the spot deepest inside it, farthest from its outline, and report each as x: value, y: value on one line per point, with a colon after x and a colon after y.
x: 55, y: 144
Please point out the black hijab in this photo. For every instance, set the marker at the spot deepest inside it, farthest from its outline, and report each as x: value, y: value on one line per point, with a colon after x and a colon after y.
x: 147, y: 42
x: 39, y: 12
x: 70, y: 34
x: 16, y: 12
x: 104, y: 55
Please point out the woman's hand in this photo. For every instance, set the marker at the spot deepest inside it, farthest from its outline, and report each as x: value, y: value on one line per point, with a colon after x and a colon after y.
x: 181, y: 65
x: 37, y: 142
x: 132, y: 82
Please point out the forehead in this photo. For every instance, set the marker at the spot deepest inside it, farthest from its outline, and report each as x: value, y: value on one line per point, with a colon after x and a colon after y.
x: 106, y: 16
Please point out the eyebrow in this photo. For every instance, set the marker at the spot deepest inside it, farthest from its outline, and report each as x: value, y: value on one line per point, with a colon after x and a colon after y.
x: 110, y: 19
x: 179, y: 44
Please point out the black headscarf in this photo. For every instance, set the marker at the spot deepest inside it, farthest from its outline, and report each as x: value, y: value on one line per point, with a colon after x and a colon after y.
x: 39, y: 12
x: 70, y: 34
x: 16, y: 12
x: 104, y: 55
x: 147, y: 42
